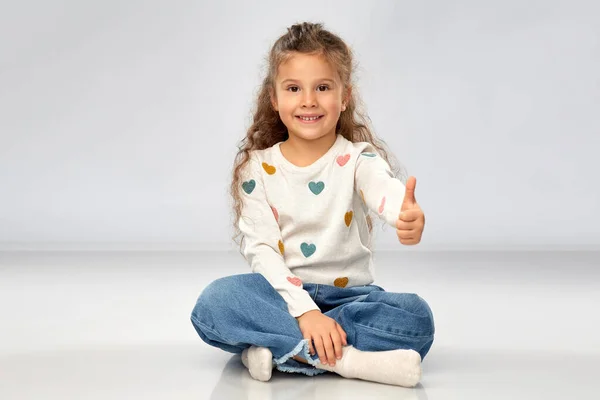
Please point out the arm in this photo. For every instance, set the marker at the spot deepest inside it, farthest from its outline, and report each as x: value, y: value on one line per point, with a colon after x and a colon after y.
x: 381, y: 191
x: 263, y: 247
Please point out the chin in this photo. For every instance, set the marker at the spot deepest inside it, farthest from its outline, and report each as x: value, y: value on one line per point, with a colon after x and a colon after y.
x: 309, y: 136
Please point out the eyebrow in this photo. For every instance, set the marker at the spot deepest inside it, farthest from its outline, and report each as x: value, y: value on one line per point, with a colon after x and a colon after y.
x: 319, y: 80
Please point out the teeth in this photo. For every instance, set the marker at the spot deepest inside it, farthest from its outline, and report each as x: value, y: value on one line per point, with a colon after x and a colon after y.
x: 309, y: 118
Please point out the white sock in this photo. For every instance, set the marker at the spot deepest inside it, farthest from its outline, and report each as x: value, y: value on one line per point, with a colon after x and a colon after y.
x: 259, y: 361
x: 395, y: 367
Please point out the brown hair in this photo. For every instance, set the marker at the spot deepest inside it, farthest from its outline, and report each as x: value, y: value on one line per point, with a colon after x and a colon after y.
x: 267, y: 129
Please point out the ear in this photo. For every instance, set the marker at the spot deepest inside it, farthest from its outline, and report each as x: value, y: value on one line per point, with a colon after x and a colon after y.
x: 346, y: 97
x: 273, y: 98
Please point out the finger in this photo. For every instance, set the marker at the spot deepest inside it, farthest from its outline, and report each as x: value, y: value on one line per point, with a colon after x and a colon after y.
x: 337, y: 344
x: 407, y: 235
x: 409, y: 194
x: 410, y: 241
x: 410, y: 215
x: 320, y: 349
x: 311, y: 349
x: 404, y: 226
x: 342, y: 334
x: 329, y: 349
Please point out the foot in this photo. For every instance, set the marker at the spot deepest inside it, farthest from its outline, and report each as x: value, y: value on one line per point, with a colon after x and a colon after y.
x: 259, y: 362
x: 394, y: 367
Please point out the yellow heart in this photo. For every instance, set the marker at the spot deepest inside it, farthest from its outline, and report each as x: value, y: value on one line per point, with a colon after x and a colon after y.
x: 269, y: 169
x: 340, y: 282
x: 348, y: 218
x: 281, y: 248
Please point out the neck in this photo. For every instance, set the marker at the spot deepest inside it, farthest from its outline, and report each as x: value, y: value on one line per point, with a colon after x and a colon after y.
x: 302, y: 152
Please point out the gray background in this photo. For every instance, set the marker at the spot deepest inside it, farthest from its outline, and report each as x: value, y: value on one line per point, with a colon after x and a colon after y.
x: 118, y: 126
x: 119, y: 120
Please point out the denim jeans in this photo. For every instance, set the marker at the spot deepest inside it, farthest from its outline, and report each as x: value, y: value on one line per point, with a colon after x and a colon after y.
x: 235, y: 312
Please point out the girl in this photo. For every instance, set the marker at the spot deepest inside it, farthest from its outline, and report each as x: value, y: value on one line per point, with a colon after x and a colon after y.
x: 305, y: 178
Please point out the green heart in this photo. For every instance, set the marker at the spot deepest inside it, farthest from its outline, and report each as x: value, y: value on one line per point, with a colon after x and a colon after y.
x: 316, y: 187
x: 308, y: 249
x: 249, y: 186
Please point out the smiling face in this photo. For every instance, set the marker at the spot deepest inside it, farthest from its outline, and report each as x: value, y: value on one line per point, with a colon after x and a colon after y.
x: 308, y: 96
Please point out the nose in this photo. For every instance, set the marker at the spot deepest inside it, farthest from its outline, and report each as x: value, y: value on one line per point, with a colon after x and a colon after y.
x: 309, y: 99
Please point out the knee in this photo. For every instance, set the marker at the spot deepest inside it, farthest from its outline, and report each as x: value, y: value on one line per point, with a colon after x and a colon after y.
x: 424, y: 310
x: 414, y: 305
x: 219, y: 291
x: 213, y: 298
x: 422, y: 318
x: 226, y: 293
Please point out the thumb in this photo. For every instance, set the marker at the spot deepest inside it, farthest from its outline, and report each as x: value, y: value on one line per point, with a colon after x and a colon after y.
x: 409, y: 195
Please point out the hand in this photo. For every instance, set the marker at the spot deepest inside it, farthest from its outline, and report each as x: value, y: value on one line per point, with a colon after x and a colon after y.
x: 411, y: 221
x: 327, y: 335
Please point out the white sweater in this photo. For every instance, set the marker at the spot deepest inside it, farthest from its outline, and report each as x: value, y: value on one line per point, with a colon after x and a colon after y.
x: 308, y: 224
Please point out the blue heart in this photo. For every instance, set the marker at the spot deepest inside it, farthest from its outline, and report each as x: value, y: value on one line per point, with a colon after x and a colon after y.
x: 249, y: 186
x: 308, y: 249
x: 368, y: 154
x: 316, y: 187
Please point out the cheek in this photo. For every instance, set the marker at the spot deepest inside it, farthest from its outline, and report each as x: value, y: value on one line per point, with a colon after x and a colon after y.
x: 286, y: 105
x: 332, y: 104
x: 286, y: 112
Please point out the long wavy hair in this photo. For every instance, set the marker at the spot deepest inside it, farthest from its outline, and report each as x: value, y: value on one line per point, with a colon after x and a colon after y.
x: 267, y: 129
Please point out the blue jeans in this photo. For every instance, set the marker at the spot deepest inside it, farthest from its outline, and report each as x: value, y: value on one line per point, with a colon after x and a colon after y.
x: 235, y: 312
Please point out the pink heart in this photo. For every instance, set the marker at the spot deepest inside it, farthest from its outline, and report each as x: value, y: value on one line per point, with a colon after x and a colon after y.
x: 382, y: 205
x: 342, y: 160
x: 275, y: 213
x: 294, y: 281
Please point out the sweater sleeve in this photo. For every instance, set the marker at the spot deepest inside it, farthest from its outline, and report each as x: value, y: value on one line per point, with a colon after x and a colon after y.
x: 375, y: 183
x: 263, y: 247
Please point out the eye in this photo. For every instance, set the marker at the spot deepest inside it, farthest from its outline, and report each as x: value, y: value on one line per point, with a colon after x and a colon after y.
x: 324, y: 86
x: 292, y: 87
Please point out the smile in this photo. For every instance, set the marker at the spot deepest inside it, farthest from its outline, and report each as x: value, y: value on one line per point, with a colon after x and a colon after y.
x: 309, y: 119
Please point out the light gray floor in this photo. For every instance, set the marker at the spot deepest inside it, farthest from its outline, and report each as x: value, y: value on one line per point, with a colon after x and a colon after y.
x: 89, y: 325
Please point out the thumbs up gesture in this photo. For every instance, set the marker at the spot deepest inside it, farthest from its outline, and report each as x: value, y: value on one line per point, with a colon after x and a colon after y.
x: 411, y: 221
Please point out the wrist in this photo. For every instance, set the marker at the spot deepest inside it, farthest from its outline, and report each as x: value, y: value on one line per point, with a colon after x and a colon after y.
x: 308, y: 312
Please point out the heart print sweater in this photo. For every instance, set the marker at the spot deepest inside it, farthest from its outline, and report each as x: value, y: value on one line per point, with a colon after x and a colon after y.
x: 308, y: 224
